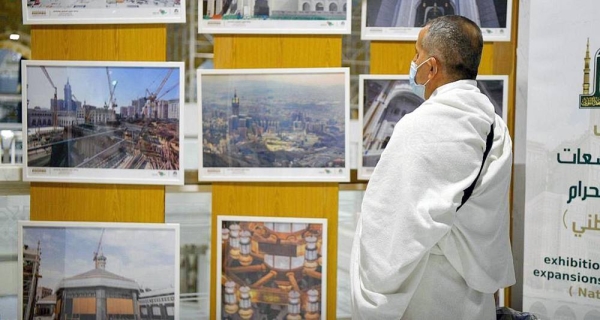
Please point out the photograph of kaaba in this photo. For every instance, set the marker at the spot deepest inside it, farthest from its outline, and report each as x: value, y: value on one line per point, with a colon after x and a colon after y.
x: 102, y: 11
x: 106, y: 123
x: 271, y: 268
x: 387, y: 99
x: 280, y: 125
x: 92, y: 271
x: 402, y: 19
x: 275, y: 16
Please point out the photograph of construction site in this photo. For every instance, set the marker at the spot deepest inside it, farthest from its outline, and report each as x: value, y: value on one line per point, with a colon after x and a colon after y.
x: 103, y: 122
x: 386, y: 99
x: 90, y: 271
x: 274, y: 124
x: 275, y: 16
x: 103, y: 11
x: 271, y: 268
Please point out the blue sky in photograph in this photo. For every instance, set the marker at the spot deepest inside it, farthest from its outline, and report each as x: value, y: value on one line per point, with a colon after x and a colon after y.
x: 143, y: 255
x: 90, y: 84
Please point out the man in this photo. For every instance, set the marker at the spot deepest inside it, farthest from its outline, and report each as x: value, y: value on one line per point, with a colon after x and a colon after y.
x: 432, y: 240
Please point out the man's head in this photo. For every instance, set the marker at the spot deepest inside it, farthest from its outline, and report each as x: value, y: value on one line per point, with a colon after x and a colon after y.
x: 453, y: 45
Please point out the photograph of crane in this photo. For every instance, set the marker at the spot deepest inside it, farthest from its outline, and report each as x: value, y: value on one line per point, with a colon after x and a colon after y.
x: 103, y: 122
x: 103, y: 11
x: 73, y: 270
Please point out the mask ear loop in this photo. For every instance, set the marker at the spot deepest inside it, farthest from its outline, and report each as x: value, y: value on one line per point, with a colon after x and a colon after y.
x: 426, y: 82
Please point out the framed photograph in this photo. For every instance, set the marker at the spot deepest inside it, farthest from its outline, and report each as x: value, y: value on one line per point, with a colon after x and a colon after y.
x: 77, y: 270
x: 403, y: 19
x: 274, y: 124
x: 10, y: 112
x: 388, y: 98
x: 103, y: 11
x: 270, y: 268
x: 103, y: 122
x: 275, y: 17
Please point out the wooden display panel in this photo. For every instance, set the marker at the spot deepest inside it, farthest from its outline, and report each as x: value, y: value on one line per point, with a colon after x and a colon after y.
x: 96, y: 202
x: 309, y: 200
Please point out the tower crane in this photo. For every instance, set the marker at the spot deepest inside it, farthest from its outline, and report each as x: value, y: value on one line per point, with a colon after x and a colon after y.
x: 98, y: 249
x: 168, y: 90
x: 54, y: 106
x: 112, y: 85
x: 153, y: 96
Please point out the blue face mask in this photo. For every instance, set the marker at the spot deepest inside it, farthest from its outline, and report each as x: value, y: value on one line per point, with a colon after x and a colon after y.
x: 418, y: 89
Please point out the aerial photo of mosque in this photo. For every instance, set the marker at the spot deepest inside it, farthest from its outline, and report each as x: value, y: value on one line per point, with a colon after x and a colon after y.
x: 101, y: 117
x: 275, y: 9
x: 416, y: 13
x: 93, y: 292
x: 284, y: 120
x: 272, y: 270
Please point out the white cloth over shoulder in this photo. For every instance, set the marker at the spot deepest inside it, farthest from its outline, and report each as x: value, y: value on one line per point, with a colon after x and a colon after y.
x: 409, y: 212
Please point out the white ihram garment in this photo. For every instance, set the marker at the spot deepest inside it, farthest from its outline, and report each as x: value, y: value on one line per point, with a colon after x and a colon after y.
x: 414, y: 256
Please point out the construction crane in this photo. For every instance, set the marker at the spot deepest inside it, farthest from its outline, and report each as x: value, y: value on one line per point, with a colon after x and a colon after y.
x: 112, y: 85
x: 168, y: 90
x: 54, y: 106
x: 152, y: 96
x: 98, y: 249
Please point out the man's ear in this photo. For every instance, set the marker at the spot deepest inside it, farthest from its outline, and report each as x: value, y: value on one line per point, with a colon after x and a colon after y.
x: 434, y: 66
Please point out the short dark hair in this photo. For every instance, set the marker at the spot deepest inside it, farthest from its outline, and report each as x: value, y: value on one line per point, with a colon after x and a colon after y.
x: 457, y: 42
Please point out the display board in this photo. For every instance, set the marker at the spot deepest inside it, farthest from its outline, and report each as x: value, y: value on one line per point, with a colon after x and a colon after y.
x: 275, y: 17
x: 274, y: 124
x: 561, y: 270
x: 403, y: 19
x: 271, y: 267
x: 103, y: 11
x: 120, y: 280
x: 124, y: 130
x: 386, y: 99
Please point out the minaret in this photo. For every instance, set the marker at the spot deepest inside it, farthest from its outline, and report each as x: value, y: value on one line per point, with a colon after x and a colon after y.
x: 101, y: 261
x: 586, y: 70
x: 235, y: 105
